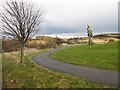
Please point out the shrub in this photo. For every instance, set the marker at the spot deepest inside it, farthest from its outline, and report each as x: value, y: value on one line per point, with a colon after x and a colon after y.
x: 33, y: 44
x: 111, y: 40
x: 51, y: 43
x: 41, y: 44
x: 10, y: 45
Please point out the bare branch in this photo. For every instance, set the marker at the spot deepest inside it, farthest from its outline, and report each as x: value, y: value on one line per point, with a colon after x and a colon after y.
x: 21, y: 20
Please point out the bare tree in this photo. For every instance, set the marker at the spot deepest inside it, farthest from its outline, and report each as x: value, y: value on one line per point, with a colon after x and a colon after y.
x: 20, y: 20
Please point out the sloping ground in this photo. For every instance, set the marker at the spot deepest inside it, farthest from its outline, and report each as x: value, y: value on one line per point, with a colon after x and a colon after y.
x: 113, y: 35
x: 103, y: 56
x: 93, y: 74
x: 30, y: 75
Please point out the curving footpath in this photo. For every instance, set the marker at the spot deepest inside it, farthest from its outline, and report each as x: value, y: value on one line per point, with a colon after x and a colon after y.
x: 106, y: 77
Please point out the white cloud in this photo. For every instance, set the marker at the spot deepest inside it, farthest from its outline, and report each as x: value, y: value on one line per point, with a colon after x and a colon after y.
x: 77, y: 13
x: 72, y: 13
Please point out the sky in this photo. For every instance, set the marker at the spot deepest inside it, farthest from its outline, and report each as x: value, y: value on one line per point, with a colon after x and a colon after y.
x: 67, y: 17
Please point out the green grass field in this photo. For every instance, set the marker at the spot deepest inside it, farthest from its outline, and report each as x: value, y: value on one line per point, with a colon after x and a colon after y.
x: 31, y: 75
x: 104, y: 56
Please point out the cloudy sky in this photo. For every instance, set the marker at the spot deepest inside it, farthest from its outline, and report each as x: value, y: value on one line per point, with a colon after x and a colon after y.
x: 72, y: 16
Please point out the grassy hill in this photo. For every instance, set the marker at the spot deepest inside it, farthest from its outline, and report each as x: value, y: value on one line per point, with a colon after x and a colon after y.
x: 31, y: 75
x: 112, y: 35
x: 104, y: 56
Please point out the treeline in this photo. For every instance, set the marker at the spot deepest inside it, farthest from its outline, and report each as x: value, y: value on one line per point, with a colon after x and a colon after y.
x: 10, y: 45
x: 41, y: 42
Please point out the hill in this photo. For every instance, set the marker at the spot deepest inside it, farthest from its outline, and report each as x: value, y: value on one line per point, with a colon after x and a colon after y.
x: 31, y: 75
x: 104, y: 56
x: 112, y: 35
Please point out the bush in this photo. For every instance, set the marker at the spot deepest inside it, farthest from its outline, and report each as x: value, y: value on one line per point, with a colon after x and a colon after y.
x: 10, y: 45
x: 111, y: 40
x: 34, y: 44
x: 48, y: 43
x: 51, y: 43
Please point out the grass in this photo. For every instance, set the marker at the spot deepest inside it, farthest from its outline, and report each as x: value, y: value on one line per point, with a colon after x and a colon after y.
x: 31, y: 75
x: 104, y: 56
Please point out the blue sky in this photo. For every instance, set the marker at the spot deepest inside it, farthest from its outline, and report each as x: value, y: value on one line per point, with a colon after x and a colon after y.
x: 72, y: 16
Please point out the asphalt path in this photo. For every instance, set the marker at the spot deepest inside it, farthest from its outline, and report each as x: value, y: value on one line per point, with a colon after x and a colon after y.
x: 106, y: 77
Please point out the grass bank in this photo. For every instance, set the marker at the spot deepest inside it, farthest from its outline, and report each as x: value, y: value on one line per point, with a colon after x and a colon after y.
x: 30, y: 75
x: 104, y: 56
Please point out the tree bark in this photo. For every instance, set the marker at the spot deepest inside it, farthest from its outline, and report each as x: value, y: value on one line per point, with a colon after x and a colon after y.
x: 22, y: 53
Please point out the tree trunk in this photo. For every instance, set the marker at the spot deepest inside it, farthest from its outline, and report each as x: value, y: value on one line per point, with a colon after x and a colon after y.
x: 22, y: 53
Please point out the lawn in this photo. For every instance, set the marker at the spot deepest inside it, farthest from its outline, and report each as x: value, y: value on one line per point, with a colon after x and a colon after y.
x: 31, y: 75
x: 103, y: 56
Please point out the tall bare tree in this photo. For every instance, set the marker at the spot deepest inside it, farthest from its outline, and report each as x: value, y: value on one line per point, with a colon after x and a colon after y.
x: 20, y: 20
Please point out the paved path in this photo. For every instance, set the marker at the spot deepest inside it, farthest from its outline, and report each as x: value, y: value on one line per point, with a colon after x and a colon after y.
x: 93, y: 74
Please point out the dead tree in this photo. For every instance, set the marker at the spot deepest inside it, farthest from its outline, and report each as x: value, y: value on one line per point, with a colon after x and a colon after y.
x: 20, y: 20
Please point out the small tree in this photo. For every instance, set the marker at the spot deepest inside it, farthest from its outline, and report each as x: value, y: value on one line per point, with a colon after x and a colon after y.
x: 20, y: 20
x: 58, y: 41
